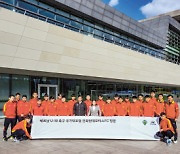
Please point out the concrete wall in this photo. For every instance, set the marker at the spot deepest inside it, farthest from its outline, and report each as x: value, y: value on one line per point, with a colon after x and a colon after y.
x: 30, y: 44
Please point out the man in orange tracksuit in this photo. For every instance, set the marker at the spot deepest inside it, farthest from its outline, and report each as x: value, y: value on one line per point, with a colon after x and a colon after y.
x: 153, y: 99
x: 140, y: 98
x: 88, y: 102
x: 166, y: 129
x: 101, y: 103
x: 51, y: 109
x: 135, y: 107
x: 45, y: 101
x: 172, y: 113
x: 109, y: 109
x: 148, y: 108
x: 126, y: 100
x: 39, y: 109
x: 115, y: 100
x: 23, y: 108
x: 159, y: 105
x: 63, y: 108
x: 9, y: 110
x: 59, y: 100
x: 71, y: 103
x: 17, y: 97
x: 121, y: 107
x: 34, y: 99
x: 19, y: 131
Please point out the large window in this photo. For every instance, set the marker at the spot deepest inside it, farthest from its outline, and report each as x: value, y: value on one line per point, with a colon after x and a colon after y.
x: 20, y: 84
x: 4, y: 87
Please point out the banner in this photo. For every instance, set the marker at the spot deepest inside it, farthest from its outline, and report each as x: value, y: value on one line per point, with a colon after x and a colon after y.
x: 82, y: 127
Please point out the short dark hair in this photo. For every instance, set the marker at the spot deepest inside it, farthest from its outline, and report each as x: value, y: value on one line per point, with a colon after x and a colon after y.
x: 140, y: 95
x: 126, y: 96
x: 52, y: 97
x: 63, y: 96
x: 60, y: 94
x: 134, y: 97
x: 162, y: 113
x: 79, y: 95
x: 73, y: 95
x: 152, y: 91
x: 108, y: 97
x: 45, y: 95
x: 39, y: 99
x: 11, y: 96
x: 170, y: 96
x: 116, y: 95
x: 18, y: 94
x: 147, y: 96
x: 160, y: 94
x: 121, y: 97
x: 100, y: 95
x: 24, y: 96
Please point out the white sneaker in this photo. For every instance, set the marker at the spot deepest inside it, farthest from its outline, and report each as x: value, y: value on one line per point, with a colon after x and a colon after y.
x: 16, y: 140
x: 175, y: 142
x: 169, y: 142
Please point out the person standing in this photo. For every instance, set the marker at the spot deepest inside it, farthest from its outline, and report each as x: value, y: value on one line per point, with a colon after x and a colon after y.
x: 121, y: 107
x: 101, y: 103
x: 109, y: 108
x: 88, y: 102
x: 159, y: 105
x: 80, y: 108
x: 135, y: 108
x: 51, y: 109
x: 38, y: 109
x: 148, y: 108
x: 172, y: 113
x: 116, y: 99
x: 23, y: 108
x: 63, y: 107
x: 9, y: 110
x: 34, y: 99
x: 94, y: 109
x: 71, y: 103
x: 127, y: 101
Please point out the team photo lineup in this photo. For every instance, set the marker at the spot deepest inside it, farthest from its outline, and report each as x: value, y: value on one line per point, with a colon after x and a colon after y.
x: 18, y: 111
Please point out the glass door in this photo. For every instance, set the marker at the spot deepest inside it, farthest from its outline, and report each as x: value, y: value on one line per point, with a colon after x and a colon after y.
x: 51, y: 90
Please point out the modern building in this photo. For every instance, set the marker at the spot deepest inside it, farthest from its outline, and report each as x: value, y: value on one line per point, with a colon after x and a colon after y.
x: 84, y: 46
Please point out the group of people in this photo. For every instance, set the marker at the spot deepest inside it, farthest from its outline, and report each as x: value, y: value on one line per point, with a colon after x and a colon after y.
x: 19, y: 108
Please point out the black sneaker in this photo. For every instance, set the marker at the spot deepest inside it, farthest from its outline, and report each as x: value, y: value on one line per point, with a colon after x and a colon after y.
x: 5, y: 138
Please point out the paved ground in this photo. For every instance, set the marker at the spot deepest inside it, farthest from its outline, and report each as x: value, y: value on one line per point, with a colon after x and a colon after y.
x: 86, y: 146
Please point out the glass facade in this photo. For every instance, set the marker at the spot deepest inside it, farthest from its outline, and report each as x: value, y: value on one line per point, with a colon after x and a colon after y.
x: 11, y: 84
x: 52, y: 15
x: 173, y: 45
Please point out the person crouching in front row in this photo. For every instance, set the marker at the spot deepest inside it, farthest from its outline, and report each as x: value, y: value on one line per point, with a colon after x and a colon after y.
x: 166, y: 130
x: 20, y: 132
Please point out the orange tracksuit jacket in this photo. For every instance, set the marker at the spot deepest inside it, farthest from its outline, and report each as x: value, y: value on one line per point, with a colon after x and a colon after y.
x: 44, y: 103
x: 51, y: 109
x: 23, y: 108
x: 159, y: 107
x: 135, y: 109
x: 128, y: 106
x: 88, y: 104
x: 33, y: 102
x: 101, y: 104
x: 165, y: 124
x: 109, y: 109
x: 114, y: 102
x: 172, y: 110
x: 71, y: 105
x: 121, y: 109
x: 9, y: 109
x: 38, y: 110
x: 148, y: 109
x: 63, y: 109
x: 21, y: 125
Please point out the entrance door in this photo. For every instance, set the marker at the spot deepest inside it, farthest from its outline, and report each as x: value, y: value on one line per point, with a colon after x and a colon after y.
x: 51, y: 90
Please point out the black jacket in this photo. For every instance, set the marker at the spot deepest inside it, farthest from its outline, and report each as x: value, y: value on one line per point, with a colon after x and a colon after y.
x: 80, y: 109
